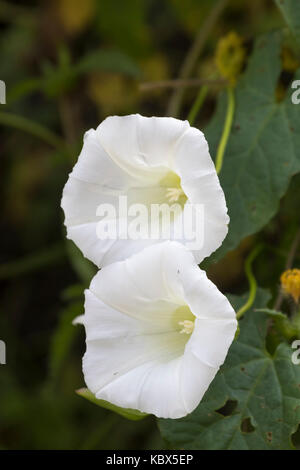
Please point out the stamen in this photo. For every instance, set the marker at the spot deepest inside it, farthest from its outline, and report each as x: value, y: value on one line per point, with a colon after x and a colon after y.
x: 173, y: 194
x: 188, y: 326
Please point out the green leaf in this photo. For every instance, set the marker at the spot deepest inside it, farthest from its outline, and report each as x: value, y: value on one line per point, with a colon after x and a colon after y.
x: 254, y: 401
x: 290, y: 10
x: 108, y: 61
x: 84, y: 268
x: 271, y: 313
x: 64, y: 75
x: 263, y: 150
x: 128, y: 413
x: 73, y: 292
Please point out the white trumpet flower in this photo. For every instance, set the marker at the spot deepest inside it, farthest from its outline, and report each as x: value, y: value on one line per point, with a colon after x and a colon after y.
x: 157, y: 331
x: 151, y: 161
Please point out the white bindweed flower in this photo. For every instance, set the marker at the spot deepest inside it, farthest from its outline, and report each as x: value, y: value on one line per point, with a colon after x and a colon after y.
x: 150, y: 161
x: 157, y: 331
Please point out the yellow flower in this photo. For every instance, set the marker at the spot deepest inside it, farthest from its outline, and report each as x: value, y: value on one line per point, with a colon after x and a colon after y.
x: 230, y: 56
x: 290, y: 283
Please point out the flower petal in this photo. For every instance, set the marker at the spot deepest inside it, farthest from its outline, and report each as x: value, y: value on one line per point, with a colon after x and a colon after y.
x: 139, y: 292
x: 140, y: 158
x: 149, y: 142
x: 153, y: 387
x: 136, y: 356
x: 201, y: 184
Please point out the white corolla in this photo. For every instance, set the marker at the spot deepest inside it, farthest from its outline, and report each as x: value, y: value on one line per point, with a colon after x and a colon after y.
x: 157, y: 331
x: 147, y: 163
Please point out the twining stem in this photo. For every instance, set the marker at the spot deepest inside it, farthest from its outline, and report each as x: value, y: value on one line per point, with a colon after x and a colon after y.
x: 193, y: 55
x: 226, y: 130
x: 252, y: 281
x: 197, y: 104
x: 33, y: 128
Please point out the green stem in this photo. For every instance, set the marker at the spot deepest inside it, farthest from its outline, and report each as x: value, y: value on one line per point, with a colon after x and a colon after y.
x: 226, y: 130
x: 33, y: 128
x: 252, y: 281
x: 197, y: 105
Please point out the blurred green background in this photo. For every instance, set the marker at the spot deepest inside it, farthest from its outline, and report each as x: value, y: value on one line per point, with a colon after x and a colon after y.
x: 68, y: 64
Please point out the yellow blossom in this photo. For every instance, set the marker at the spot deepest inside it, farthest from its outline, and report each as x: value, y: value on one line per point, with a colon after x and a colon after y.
x: 230, y: 56
x: 290, y: 283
